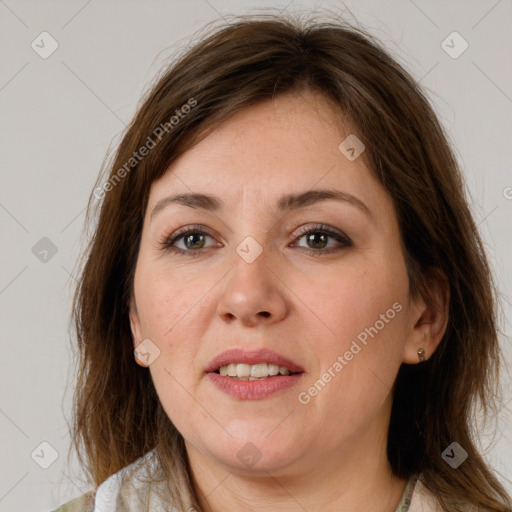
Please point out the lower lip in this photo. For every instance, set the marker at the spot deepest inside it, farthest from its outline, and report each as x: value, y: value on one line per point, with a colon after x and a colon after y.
x: 253, y: 389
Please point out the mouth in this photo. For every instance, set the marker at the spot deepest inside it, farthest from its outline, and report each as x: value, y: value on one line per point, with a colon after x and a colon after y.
x: 258, y: 364
x: 253, y: 375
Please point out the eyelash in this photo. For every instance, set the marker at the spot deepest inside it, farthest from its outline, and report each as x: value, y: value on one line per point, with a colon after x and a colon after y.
x: 168, y: 243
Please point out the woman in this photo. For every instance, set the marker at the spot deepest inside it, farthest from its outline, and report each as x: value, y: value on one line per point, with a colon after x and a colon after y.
x: 285, y: 250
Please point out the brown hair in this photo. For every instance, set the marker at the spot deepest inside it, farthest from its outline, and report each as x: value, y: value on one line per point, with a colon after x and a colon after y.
x: 117, y: 414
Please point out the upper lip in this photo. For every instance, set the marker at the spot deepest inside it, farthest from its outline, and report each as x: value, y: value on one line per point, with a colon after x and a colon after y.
x: 237, y: 355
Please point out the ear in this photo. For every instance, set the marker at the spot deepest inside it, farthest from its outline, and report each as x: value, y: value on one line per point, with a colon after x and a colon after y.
x: 136, y: 329
x: 428, y: 320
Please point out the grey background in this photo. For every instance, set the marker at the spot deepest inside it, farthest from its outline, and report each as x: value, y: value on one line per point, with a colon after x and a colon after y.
x: 59, y: 116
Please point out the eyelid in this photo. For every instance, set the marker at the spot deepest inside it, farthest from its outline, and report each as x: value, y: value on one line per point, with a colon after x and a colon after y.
x: 307, y: 228
x: 190, y: 228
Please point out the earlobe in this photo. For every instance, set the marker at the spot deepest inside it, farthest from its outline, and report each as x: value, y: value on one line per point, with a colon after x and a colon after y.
x: 430, y: 321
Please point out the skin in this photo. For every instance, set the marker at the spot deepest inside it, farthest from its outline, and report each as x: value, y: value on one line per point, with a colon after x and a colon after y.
x: 328, y: 454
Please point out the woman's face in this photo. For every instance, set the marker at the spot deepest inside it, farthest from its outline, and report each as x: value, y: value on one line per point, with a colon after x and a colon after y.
x: 320, y: 282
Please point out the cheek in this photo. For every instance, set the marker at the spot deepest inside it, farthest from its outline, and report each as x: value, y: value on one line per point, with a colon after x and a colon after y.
x: 167, y: 314
x: 365, y: 311
x: 354, y: 298
x: 172, y: 386
x: 165, y: 301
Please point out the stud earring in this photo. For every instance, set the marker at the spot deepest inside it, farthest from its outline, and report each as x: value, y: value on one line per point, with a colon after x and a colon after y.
x: 421, y: 355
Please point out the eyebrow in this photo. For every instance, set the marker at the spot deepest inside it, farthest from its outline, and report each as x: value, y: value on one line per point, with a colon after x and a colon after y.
x: 286, y: 203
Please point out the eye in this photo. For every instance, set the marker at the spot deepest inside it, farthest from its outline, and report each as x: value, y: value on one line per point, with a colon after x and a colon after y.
x: 190, y: 239
x: 317, y: 239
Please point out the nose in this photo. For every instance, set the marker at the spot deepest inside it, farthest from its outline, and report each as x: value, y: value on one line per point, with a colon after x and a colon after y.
x: 253, y: 293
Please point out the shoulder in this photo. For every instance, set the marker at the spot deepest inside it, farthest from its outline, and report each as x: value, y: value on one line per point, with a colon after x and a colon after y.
x: 84, y: 503
x: 127, y: 490
x: 135, y: 488
x: 422, y: 500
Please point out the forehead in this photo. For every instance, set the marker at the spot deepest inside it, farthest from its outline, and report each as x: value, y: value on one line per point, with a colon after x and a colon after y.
x: 278, y: 146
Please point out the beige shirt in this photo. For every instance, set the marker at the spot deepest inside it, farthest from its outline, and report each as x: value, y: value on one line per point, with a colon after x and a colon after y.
x: 125, y: 492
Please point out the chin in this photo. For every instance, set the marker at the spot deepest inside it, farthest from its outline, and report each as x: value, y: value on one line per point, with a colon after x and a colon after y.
x: 254, y: 455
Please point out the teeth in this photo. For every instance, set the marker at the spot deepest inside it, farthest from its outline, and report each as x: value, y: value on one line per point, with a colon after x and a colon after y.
x: 273, y: 369
x: 243, y: 370
x: 258, y: 371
